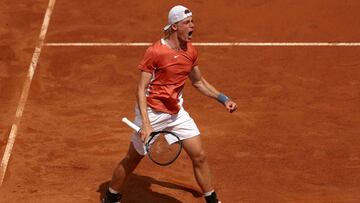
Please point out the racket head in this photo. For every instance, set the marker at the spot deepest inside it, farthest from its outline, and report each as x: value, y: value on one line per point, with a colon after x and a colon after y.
x: 163, y: 147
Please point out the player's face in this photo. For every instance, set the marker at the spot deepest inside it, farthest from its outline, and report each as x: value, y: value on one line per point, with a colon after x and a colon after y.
x: 185, y: 29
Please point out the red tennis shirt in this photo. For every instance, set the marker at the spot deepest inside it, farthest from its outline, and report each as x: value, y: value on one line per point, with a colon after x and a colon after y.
x: 169, y: 69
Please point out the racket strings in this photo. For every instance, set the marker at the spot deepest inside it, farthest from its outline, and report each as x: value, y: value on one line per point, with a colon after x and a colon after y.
x: 161, y: 152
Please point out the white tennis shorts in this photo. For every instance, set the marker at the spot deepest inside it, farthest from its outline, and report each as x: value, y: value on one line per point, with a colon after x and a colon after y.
x: 181, y: 124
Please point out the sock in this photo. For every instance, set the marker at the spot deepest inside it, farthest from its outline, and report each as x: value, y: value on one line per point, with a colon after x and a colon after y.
x: 113, y: 191
x: 209, y: 193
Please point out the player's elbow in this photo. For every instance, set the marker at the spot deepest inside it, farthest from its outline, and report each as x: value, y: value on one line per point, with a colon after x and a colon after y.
x: 197, y: 84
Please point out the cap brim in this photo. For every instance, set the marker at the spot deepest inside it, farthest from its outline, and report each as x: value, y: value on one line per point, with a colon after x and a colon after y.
x: 167, y: 27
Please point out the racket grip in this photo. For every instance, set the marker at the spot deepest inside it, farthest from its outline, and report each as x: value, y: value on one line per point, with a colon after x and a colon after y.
x: 131, y: 124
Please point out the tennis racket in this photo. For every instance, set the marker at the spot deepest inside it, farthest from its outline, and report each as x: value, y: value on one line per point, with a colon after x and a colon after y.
x: 163, y: 147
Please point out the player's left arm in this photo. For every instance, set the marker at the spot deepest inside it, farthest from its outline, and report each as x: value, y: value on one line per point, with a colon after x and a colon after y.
x: 203, y: 86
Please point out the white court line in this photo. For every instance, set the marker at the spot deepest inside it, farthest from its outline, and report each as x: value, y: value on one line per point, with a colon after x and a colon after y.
x: 266, y: 44
x: 25, y: 91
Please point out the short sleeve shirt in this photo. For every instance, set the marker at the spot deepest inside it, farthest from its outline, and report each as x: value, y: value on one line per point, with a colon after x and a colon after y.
x: 169, y: 69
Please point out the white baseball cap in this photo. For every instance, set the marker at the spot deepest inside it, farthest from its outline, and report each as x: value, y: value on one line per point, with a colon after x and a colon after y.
x: 176, y: 14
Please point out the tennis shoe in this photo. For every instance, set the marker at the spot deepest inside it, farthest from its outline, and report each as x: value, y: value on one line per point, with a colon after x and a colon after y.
x: 111, y: 198
x: 212, y: 198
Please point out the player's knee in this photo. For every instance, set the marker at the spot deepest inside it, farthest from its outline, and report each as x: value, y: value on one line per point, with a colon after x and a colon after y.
x: 133, y: 156
x: 200, y: 158
x: 131, y: 160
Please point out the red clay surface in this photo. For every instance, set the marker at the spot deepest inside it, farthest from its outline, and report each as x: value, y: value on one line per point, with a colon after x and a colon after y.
x: 295, y: 137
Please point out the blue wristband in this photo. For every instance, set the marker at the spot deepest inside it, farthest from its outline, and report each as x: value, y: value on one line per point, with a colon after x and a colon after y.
x: 222, y: 98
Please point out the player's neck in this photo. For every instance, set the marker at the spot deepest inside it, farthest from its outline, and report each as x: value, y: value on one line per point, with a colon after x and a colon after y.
x: 174, y: 43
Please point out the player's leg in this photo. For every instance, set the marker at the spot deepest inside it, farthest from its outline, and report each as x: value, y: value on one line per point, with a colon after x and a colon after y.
x: 184, y: 126
x: 194, y: 149
x: 122, y: 171
x: 125, y: 167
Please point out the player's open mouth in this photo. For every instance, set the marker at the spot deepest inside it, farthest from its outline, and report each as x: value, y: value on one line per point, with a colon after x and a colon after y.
x: 190, y: 34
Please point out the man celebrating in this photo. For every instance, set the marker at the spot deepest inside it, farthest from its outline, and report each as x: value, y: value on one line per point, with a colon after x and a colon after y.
x: 166, y: 65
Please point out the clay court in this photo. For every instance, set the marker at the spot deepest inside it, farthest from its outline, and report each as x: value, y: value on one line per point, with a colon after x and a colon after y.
x: 295, y: 136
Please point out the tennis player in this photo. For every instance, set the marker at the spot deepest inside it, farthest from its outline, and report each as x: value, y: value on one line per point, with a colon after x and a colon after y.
x: 165, y: 67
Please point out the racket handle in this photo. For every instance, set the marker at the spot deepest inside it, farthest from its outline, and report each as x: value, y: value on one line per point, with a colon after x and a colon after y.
x: 131, y: 124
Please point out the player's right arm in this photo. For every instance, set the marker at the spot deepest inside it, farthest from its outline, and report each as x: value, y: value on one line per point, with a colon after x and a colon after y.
x: 144, y: 81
